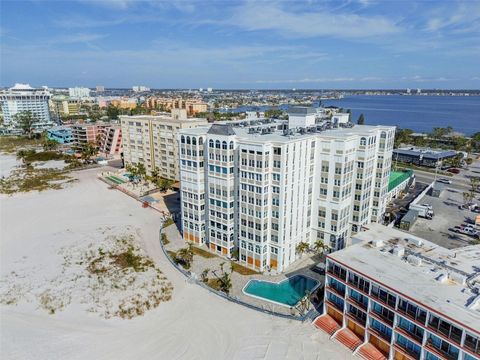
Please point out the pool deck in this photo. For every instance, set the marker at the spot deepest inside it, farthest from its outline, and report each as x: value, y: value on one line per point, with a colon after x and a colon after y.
x: 301, y: 266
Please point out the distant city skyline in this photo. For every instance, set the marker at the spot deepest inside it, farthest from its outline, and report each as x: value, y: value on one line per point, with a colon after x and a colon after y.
x: 241, y: 45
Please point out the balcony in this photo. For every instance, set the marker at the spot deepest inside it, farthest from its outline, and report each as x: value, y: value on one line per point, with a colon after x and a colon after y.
x: 334, y: 305
x: 419, y: 320
x: 407, y: 352
x: 390, y: 303
x: 336, y: 291
x: 357, y: 303
x: 439, y: 352
x: 360, y: 320
x: 383, y: 318
x: 380, y: 334
x: 337, y: 274
x: 444, y: 334
x: 410, y: 335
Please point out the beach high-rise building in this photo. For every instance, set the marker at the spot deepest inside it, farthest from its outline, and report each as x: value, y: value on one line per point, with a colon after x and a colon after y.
x: 263, y: 186
x: 396, y: 296
x: 79, y: 92
x: 152, y: 140
x: 22, y: 97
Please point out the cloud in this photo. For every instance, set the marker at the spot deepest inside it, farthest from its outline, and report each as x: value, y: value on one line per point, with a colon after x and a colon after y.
x: 269, y: 16
x: 76, y: 38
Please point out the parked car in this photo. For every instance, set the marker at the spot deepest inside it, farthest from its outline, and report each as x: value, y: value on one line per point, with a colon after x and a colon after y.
x: 428, y: 206
x: 466, y: 230
x: 444, y: 181
x: 454, y: 170
x: 318, y: 268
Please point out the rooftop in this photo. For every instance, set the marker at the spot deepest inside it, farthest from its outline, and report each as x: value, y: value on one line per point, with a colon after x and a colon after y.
x: 445, y: 281
x: 265, y: 129
x: 425, y: 152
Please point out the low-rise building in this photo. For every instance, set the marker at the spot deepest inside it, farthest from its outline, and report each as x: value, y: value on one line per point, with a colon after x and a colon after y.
x: 393, y: 295
x: 62, y: 135
x: 422, y: 156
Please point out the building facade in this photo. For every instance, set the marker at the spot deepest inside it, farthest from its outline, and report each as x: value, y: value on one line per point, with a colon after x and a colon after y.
x: 62, y: 135
x: 22, y: 97
x: 152, y: 140
x: 111, y: 140
x: 79, y: 92
x: 396, y: 296
x: 193, y: 106
x: 260, y: 187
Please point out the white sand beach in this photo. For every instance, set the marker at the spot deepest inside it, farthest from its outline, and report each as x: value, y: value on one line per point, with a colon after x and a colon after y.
x: 37, y: 228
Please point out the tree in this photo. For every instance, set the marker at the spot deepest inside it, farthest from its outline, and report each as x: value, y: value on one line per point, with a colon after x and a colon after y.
x: 164, y: 184
x: 48, y: 144
x: 88, y: 150
x: 224, y: 280
x: 361, y: 120
x: 25, y: 120
x: 273, y: 113
x: 302, y: 247
x: 141, y: 170
x: 112, y: 112
x: 204, y: 275
x: 184, y: 256
x: 319, y: 246
x: 154, y: 175
x: 466, y: 198
x: 474, y: 183
x: 469, y: 161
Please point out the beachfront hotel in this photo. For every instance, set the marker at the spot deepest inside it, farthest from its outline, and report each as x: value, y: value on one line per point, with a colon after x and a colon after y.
x: 152, y: 140
x: 22, y: 97
x: 393, y: 295
x: 261, y: 186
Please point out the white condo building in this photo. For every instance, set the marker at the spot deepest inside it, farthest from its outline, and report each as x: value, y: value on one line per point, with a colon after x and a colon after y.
x: 262, y: 186
x: 79, y: 92
x: 22, y: 97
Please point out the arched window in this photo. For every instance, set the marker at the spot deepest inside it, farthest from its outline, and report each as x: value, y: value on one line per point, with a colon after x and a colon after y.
x: 383, y: 135
x: 200, y: 141
x: 363, y: 141
x: 231, y: 145
x: 217, y: 144
x: 224, y: 145
x: 194, y: 141
x: 210, y: 143
x: 188, y: 139
x: 182, y: 139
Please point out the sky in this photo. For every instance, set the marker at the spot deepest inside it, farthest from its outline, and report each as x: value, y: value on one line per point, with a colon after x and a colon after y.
x: 241, y: 44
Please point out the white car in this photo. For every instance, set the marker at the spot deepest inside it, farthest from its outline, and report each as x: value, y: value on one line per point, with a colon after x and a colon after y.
x: 444, y: 181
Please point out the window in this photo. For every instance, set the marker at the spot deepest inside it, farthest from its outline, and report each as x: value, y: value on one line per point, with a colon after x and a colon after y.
x: 363, y: 141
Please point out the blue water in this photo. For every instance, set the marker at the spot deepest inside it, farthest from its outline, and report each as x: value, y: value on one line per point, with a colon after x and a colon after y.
x: 419, y: 113
x: 287, y: 292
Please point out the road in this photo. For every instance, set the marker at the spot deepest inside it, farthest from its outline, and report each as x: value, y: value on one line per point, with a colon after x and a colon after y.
x: 460, y: 182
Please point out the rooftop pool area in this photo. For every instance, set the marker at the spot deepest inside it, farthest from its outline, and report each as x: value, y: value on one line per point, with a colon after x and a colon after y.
x: 287, y: 292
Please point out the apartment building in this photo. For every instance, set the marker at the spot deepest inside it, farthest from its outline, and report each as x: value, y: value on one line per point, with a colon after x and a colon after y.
x: 111, y: 140
x: 84, y: 133
x: 151, y: 140
x: 193, y: 106
x: 396, y: 296
x: 262, y: 186
x: 21, y: 98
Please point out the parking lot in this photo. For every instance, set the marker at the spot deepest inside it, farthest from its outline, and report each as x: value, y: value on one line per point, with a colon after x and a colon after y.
x: 447, y: 215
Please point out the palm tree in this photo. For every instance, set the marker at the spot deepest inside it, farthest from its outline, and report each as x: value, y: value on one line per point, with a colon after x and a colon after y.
x: 185, y: 256
x: 301, y: 248
x: 319, y: 246
x: 154, y: 175
x: 141, y: 171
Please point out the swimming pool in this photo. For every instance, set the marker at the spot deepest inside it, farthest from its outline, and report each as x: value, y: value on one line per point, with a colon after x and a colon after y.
x: 287, y: 292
